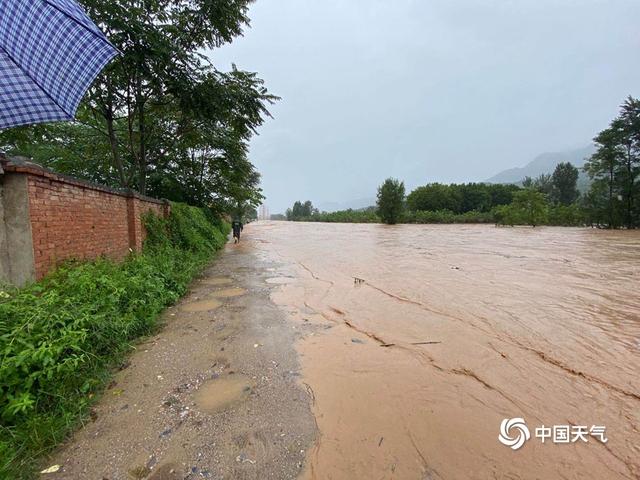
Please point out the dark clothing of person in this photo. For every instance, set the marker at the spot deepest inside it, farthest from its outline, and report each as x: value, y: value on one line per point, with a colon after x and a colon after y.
x: 237, y: 228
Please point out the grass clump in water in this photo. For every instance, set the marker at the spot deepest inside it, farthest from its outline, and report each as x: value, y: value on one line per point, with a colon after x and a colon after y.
x: 61, y: 337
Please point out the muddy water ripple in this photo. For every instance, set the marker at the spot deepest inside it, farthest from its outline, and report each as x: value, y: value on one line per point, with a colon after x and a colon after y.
x: 426, y: 337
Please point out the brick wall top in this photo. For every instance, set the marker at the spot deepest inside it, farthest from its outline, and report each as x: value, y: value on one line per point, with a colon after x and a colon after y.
x: 23, y: 165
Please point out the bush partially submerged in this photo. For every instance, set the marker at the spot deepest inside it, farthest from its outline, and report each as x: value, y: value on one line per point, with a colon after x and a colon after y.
x: 447, y: 216
x: 60, y: 337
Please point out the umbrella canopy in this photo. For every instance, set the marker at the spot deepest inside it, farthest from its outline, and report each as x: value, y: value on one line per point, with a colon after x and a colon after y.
x: 50, y: 53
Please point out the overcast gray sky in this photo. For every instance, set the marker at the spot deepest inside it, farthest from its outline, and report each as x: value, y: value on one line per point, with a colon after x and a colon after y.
x: 429, y: 90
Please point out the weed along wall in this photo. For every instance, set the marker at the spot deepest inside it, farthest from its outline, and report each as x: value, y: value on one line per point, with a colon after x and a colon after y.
x: 46, y: 218
x: 83, y: 317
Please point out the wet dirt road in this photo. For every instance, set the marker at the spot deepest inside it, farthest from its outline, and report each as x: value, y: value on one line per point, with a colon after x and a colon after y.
x: 452, y: 329
x: 215, y: 394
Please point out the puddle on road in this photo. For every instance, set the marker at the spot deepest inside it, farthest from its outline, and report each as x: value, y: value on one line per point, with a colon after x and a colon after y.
x: 279, y: 280
x: 202, y: 305
x: 217, y: 395
x: 168, y: 471
x: 222, y: 332
x: 229, y: 292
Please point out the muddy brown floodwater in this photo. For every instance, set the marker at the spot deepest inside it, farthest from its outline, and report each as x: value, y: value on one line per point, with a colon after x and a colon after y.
x: 451, y: 329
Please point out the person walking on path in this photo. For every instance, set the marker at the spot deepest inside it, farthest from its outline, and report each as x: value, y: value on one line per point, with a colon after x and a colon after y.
x: 237, y: 228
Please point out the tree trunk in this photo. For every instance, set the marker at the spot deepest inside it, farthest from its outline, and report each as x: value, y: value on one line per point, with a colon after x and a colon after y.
x: 142, y: 157
x: 113, y: 142
x: 630, y: 188
x: 611, y: 225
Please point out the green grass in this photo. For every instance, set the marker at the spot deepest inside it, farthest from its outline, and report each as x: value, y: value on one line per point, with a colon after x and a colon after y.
x: 60, y: 338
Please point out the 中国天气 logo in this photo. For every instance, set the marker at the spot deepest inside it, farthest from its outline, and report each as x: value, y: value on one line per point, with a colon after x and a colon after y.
x: 514, y: 432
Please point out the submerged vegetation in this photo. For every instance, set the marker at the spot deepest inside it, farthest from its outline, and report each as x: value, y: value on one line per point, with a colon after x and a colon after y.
x: 61, y: 337
x: 391, y: 201
x: 612, y: 201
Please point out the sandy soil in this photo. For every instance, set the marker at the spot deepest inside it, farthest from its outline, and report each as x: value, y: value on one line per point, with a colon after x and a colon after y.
x: 215, y: 394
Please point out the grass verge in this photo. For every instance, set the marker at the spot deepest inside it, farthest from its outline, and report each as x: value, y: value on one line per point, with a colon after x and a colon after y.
x: 60, y: 338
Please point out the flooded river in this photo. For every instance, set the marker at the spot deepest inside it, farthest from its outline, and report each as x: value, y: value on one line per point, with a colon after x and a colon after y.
x: 451, y: 329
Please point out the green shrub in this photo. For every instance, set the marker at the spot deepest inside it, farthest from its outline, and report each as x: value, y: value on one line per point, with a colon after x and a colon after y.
x: 346, y: 216
x: 525, y: 211
x: 447, y: 216
x: 529, y: 207
x: 566, y: 215
x: 60, y: 337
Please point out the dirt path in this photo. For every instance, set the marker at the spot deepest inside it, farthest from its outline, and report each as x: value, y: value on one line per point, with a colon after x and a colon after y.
x: 215, y: 394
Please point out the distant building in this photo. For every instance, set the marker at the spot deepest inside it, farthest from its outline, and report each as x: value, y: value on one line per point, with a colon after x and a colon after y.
x: 263, y: 213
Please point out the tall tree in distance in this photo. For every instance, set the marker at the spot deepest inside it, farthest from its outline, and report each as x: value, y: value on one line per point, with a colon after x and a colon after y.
x: 628, y: 125
x: 391, y: 201
x: 616, y: 164
x: 531, y: 206
x: 602, y: 168
x: 301, y: 211
x: 542, y: 183
x: 435, y: 196
x: 564, y: 183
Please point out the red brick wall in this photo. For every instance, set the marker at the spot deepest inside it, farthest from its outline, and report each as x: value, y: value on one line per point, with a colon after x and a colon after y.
x: 71, y: 219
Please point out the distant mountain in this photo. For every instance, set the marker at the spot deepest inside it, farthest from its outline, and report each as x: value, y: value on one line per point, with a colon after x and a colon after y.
x: 357, y: 204
x: 544, y: 163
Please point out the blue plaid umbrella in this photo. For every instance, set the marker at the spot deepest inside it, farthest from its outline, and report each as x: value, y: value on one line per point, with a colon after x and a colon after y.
x: 50, y: 52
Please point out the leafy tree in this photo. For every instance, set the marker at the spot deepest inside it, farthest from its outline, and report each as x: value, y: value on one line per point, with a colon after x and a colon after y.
x: 594, y: 206
x: 301, y: 211
x: 564, y: 183
x: 474, y: 196
x: 502, y: 194
x: 160, y: 118
x: 459, y: 199
x: 566, y: 215
x: 391, y: 201
x: 307, y: 209
x: 615, y: 167
x: 367, y: 215
x: 543, y: 184
x: 294, y: 213
x: 628, y: 127
x: 602, y: 167
x: 529, y: 207
x: 252, y: 214
x: 244, y: 212
x: 506, y: 215
x: 435, y: 196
